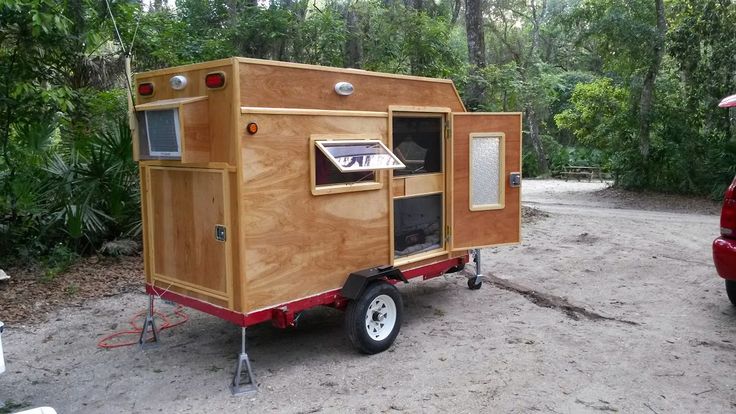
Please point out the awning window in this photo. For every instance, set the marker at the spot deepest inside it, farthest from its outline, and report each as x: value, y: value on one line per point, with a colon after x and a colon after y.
x: 359, y: 155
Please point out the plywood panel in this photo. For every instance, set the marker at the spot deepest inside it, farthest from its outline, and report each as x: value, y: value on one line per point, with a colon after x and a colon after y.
x: 220, y: 102
x: 399, y: 185
x: 492, y: 227
x: 425, y: 183
x: 183, y: 207
x: 302, y: 86
x: 195, y: 124
x: 297, y: 244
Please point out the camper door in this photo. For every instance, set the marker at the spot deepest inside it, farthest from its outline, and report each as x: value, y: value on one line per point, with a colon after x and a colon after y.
x: 486, y: 181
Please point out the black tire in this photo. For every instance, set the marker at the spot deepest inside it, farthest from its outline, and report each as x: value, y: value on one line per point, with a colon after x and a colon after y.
x: 456, y: 269
x: 731, y: 291
x: 475, y: 283
x: 362, y: 315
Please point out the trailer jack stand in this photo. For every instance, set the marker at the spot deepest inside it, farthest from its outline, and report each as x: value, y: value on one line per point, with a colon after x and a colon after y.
x: 244, y: 383
x: 475, y: 282
x: 149, y: 324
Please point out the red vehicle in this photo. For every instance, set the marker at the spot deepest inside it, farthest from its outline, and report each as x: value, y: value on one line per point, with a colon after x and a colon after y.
x: 724, y: 247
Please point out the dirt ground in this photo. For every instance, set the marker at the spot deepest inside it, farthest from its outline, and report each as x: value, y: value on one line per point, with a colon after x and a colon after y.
x: 608, y: 305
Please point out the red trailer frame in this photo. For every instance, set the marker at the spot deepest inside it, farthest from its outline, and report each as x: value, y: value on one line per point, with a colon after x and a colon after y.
x: 282, y: 316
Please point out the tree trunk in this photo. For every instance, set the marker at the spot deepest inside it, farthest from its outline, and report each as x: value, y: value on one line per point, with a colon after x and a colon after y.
x: 647, y: 91
x: 476, y: 91
x: 536, y: 139
x: 457, y: 5
x: 353, y: 47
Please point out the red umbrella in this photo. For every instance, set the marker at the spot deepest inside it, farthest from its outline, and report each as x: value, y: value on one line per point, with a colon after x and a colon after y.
x: 728, y: 102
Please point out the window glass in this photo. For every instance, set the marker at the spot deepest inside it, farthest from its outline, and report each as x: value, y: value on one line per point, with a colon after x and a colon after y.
x: 417, y: 142
x: 366, y: 155
x: 486, y: 163
x: 417, y: 224
x: 162, y: 129
x: 326, y: 173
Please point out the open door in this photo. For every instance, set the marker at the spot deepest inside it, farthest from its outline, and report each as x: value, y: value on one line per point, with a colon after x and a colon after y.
x: 486, y: 180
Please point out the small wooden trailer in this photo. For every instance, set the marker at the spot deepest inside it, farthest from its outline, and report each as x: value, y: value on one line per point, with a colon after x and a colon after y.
x: 269, y: 188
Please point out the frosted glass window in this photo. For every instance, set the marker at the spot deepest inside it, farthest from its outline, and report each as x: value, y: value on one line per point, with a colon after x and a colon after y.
x: 486, y: 170
x: 162, y: 129
x: 365, y: 155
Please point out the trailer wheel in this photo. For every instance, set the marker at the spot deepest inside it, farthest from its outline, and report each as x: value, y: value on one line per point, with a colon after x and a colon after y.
x: 731, y: 290
x: 373, y: 320
x: 474, y: 283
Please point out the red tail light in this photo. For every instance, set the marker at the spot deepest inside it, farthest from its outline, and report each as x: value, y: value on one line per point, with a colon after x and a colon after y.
x: 728, y: 212
x: 145, y: 89
x: 215, y: 80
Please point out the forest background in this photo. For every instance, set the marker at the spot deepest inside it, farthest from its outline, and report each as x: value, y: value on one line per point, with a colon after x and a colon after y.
x: 631, y: 87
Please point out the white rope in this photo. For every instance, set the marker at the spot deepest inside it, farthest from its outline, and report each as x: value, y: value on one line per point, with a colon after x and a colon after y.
x: 115, y: 25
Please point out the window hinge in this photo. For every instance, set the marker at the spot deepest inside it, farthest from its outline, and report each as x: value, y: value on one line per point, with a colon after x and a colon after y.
x: 448, y: 235
x: 447, y: 132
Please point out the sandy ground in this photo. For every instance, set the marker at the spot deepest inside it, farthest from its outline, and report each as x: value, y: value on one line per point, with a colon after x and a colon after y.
x: 601, y: 308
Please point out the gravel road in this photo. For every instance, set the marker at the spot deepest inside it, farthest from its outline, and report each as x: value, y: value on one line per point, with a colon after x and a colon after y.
x: 605, y: 306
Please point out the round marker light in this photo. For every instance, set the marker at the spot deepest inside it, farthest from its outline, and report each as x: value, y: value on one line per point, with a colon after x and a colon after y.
x: 344, y: 88
x: 215, y: 80
x: 252, y: 128
x: 145, y: 89
x: 178, y: 82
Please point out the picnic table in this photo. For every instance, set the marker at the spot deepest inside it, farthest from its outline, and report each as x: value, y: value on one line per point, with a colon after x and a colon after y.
x: 581, y: 171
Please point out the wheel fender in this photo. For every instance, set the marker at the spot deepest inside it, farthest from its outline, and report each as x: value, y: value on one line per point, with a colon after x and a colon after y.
x: 358, y: 281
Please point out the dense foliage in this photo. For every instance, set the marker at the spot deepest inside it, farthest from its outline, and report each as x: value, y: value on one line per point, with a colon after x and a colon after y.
x: 630, y: 86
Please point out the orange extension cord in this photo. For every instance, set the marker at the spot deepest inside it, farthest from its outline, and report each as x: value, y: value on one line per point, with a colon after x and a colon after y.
x: 178, y: 316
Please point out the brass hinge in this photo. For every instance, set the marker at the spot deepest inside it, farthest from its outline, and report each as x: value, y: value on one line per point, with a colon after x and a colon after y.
x: 448, y: 236
x: 447, y: 132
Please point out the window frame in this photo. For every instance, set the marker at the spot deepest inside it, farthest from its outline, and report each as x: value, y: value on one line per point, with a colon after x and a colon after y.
x: 501, y: 171
x: 378, y: 174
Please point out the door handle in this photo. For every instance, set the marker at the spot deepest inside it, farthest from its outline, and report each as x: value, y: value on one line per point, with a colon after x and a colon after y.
x: 515, y: 179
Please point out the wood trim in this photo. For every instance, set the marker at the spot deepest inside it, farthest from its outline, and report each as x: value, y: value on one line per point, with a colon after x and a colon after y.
x: 228, y: 243
x: 413, y: 258
x: 501, y: 176
x: 143, y: 179
x: 390, y: 173
x: 168, y: 103
x: 521, y: 167
x: 423, y: 184
x: 412, y: 111
x: 239, y: 287
x: 418, y: 195
x: 488, y: 113
x: 445, y: 114
x: 176, y: 163
x: 310, y: 112
x: 398, y: 186
x: 457, y: 94
x: 339, y: 70
x: 183, y: 68
x: 151, y: 251
x: 192, y: 287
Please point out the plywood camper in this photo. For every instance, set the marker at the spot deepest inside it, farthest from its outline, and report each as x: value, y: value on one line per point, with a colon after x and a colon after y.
x: 269, y: 188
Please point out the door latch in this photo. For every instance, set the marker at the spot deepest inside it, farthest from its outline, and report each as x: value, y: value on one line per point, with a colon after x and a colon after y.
x: 515, y: 179
x: 220, y: 232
